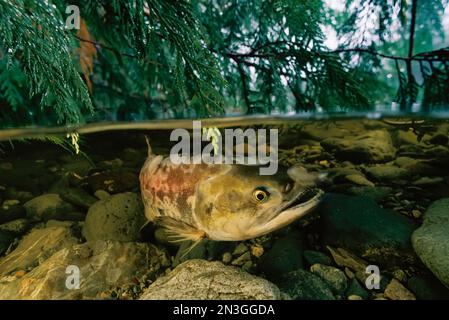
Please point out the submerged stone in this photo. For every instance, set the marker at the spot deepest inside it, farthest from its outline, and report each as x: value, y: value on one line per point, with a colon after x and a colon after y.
x: 118, y: 217
x: 431, y: 240
x: 370, y: 147
x: 362, y: 226
x: 333, y: 276
x: 285, y: 256
x: 304, y: 285
x: 99, y: 266
x: 201, y: 279
x: 50, y: 206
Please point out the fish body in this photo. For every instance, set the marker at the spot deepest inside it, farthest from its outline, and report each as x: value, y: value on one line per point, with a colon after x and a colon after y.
x: 223, y: 202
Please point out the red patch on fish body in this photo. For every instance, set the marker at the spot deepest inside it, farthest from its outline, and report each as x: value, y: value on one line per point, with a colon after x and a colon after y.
x: 168, y: 187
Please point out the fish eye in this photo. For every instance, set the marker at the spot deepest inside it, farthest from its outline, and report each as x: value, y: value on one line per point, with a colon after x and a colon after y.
x: 261, y: 195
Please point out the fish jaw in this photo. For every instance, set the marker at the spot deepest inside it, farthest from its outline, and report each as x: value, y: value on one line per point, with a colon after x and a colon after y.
x: 287, y: 216
x: 246, y: 228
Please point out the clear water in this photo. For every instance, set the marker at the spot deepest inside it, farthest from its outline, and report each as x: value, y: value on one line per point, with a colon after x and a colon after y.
x: 383, y: 174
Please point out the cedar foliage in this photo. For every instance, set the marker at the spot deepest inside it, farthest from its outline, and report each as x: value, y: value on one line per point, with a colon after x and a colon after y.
x: 145, y: 59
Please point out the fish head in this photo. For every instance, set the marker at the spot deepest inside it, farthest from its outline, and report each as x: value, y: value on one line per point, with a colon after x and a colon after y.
x: 238, y: 203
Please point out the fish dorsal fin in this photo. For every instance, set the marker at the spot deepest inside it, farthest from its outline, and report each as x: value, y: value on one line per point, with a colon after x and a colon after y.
x: 178, y: 231
x: 149, y: 149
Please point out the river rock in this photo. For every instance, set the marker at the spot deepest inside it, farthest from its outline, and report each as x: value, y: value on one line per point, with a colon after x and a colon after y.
x: 375, y: 193
x: 22, y: 196
x: 16, y: 227
x: 285, y: 256
x: 362, y: 226
x: 371, y: 147
x: 385, y: 173
x: 318, y: 132
x: 78, y: 197
x: 355, y: 288
x: 428, y: 288
x: 101, y: 265
x: 37, y: 246
x: 396, y: 291
x: 201, y: 279
x: 304, y: 285
x: 406, y: 137
x: 50, y: 206
x: 357, y: 266
x: 114, y: 181
x: 78, y: 165
x: 333, y: 276
x: 403, y: 162
x: 312, y: 257
x: 27, y: 175
x: 118, y: 217
x: 431, y: 240
x: 359, y: 180
x: 11, y: 210
x: 6, y: 238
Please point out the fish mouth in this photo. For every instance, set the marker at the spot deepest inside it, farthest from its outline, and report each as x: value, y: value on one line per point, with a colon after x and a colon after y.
x: 302, y: 204
x: 305, y: 198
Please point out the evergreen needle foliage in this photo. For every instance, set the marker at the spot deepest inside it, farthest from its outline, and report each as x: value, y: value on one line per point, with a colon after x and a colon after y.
x: 144, y: 59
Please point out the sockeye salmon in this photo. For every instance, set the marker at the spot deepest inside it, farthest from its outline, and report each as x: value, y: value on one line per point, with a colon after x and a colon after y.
x: 223, y: 202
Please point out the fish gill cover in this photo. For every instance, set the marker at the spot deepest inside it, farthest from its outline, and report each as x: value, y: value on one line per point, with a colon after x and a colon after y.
x: 72, y: 62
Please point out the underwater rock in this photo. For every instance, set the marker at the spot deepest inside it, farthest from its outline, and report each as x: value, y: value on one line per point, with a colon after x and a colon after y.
x: 22, y: 196
x: 11, y: 210
x: 313, y: 257
x: 426, y: 181
x: 344, y: 258
x: 423, y: 168
x: 317, y: 132
x: 333, y: 276
x: 431, y: 240
x: 361, y: 225
x: 304, y: 285
x: 16, y: 227
x: 375, y: 193
x: 406, y: 137
x: 133, y: 157
x: 28, y: 175
x: 110, y: 164
x: 50, y: 206
x: 440, y: 138
x: 78, y: 197
x: 200, y: 279
x: 405, y: 161
x: 286, y: 255
x: 428, y: 288
x: 359, y: 180
x: 101, y: 194
x: 114, y: 181
x: 101, y: 265
x: 6, y: 238
x: 184, y: 253
x: 387, y: 173
x: 355, y: 288
x: 37, y: 246
x: 79, y: 165
x: 396, y: 291
x: 371, y: 147
x: 242, y: 260
x: 118, y: 217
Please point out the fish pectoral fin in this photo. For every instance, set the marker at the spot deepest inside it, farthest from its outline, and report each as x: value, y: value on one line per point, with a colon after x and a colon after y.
x: 178, y: 231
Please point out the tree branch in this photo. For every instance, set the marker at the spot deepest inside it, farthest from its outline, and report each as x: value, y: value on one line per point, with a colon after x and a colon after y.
x: 244, y: 87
